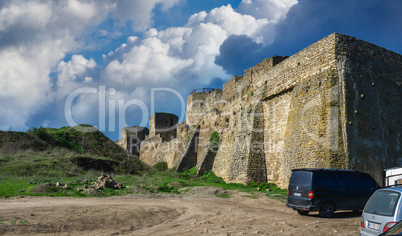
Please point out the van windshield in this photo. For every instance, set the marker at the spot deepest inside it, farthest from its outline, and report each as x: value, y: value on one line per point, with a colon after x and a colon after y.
x: 382, y: 203
x: 301, y: 178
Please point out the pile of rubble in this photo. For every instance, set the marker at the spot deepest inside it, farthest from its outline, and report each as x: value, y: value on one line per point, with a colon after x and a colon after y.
x: 106, y: 181
x: 103, y: 182
x: 60, y: 185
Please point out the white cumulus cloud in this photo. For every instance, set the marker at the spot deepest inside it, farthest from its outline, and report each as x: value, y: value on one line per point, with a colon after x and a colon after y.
x: 181, y: 55
x: 182, y: 58
x: 140, y: 12
x: 36, y: 35
x: 73, y: 74
x: 271, y: 10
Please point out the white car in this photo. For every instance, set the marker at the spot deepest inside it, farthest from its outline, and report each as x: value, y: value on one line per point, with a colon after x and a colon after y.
x: 382, y: 211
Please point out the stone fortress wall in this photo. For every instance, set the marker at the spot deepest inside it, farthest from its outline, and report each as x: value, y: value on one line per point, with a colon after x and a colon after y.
x: 131, y: 138
x: 163, y: 124
x: 335, y: 104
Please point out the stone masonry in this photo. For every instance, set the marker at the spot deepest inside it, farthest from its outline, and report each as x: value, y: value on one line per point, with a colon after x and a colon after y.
x: 163, y: 124
x: 131, y: 138
x: 335, y: 104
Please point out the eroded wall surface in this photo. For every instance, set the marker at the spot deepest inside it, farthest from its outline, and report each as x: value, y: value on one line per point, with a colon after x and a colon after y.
x: 373, y: 88
x: 335, y: 104
x: 308, y: 113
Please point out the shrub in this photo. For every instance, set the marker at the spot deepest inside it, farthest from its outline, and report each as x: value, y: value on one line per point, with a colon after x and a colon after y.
x: 41, y: 133
x: 273, y: 187
x: 189, y: 174
x: 214, y: 137
x: 161, y: 166
x: 165, y: 189
x: 211, y: 177
x: 264, y: 186
x: 253, y: 184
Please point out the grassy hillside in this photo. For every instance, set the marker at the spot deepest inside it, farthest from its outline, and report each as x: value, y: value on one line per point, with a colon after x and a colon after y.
x: 69, y: 155
x: 15, y: 142
x: 68, y: 151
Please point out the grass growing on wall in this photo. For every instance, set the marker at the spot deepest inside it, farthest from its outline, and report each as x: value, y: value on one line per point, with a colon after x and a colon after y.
x: 214, y: 139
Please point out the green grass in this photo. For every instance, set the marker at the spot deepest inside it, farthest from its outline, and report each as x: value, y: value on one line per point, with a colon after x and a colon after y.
x: 63, y: 152
x: 70, y: 154
x: 23, y: 186
x: 168, y: 182
x: 14, y: 186
x: 214, y: 140
x: 161, y: 166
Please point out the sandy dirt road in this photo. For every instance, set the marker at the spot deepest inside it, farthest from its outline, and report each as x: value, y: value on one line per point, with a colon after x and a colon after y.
x: 199, y: 212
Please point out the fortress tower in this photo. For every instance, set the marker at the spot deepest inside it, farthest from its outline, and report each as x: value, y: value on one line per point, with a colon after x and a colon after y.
x: 131, y: 138
x: 163, y: 124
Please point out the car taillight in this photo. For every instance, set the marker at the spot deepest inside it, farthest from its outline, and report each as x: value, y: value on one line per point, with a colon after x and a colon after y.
x: 362, y: 222
x: 311, y: 194
x: 388, y: 226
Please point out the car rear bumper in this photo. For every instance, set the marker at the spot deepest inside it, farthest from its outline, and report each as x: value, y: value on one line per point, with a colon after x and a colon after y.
x: 364, y: 232
x: 302, y: 208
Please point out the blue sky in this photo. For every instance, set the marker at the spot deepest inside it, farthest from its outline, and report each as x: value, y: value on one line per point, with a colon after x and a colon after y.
x: 113, y: 63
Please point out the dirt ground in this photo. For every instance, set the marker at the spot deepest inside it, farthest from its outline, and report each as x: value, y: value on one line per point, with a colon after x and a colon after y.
x: 198, y: 212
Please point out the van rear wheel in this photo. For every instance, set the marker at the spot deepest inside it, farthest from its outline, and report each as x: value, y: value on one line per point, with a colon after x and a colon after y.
x: 301, y: 212
x: 327, y: 210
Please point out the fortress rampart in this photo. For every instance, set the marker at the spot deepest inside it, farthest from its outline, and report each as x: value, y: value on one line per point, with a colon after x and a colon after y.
x: 335, y: 104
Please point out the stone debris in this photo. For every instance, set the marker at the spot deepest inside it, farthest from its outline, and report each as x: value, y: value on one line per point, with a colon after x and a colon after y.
x: 153, y: 188
x: 59, y: 185
x: 65, y: 187
x: 106, y: 181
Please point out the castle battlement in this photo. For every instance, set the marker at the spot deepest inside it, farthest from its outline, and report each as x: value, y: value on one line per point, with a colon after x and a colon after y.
x: 334, y: 104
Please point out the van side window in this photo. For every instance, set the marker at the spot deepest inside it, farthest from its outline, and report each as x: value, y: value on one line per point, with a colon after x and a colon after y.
x: 366, y: 181
x: 347, y: 180
x: 325, y: 179
x: 301, y: 178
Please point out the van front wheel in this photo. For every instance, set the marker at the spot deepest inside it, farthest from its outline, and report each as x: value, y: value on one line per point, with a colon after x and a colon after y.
x: 301, y: 212
x: 327, y: 210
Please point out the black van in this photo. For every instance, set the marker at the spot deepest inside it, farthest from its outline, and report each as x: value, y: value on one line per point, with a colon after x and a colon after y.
x: 328, y: 190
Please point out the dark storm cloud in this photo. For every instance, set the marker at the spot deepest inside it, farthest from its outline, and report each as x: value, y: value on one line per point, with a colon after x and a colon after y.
x: 376, y: 21
x: 17, y: 36
x: 237, y: 53
x: 216, y: 83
